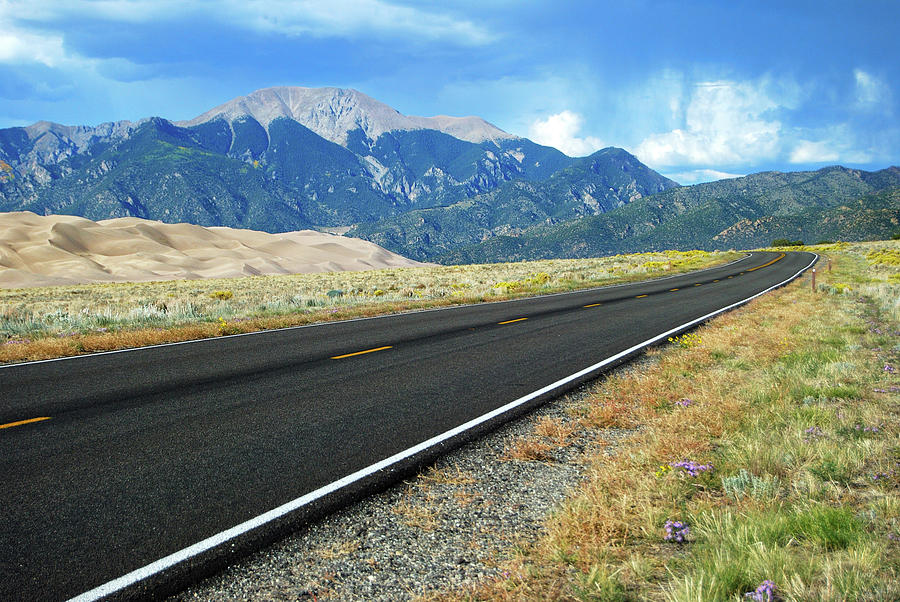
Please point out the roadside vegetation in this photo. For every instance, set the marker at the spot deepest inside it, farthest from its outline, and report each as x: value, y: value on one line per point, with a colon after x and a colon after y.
x: 40, y: 323
x: 764, y: 462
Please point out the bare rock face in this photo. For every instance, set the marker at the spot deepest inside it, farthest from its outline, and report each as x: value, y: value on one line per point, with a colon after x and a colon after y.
x: 334, y: 112
x: 50, y: 143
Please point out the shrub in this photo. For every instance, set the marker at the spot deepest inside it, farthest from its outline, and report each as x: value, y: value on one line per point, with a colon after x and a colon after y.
x: 656, y: 265
x: 884, y: 256
x: 746, y: 484
x: 538, y: 279
x: 837, y: 288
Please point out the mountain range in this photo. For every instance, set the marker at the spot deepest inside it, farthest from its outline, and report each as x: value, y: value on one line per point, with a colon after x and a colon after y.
x: 450, y: 189
x: 833, y: 203
x: 279, y: 159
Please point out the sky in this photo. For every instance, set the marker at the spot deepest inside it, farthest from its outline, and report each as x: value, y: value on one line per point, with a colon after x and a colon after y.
x: 696, y: 90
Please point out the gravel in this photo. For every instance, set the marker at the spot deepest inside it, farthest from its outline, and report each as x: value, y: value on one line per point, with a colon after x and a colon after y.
x: 449, y: 527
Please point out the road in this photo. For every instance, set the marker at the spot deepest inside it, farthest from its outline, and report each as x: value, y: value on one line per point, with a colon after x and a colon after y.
x: 135, y: 472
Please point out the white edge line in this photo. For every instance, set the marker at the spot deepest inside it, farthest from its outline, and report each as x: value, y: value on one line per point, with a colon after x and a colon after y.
x: 162, y: 564
x: 320, y: 324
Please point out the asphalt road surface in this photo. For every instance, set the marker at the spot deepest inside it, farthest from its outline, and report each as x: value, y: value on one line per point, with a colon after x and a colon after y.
x: 132, y: 473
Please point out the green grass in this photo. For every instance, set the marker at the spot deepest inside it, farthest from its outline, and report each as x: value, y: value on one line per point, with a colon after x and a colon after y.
x: 793, y: 407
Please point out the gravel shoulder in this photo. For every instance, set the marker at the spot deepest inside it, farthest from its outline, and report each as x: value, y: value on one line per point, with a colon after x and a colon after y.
x: 448, y: 528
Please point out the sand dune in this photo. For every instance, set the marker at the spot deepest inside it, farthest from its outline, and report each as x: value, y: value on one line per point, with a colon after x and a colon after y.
x: 62, y: 249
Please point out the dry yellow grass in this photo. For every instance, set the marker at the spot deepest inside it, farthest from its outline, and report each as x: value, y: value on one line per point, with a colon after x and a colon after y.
x: 450, y: 475
x: 42, y: 323
x: 417, y: 515
x: 527, y: 449
x: 338, y: 550
x: 554, y: 429
x: 793, y: 400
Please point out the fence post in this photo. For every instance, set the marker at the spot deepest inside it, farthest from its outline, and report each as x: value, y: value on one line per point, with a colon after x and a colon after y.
x: 814, y: 280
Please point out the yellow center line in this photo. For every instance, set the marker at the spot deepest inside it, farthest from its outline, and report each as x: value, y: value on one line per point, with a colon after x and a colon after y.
x: 640, y: 296
x: 731, y: 276
x: 511, y: 321
x: 21, y: 422
x: 779, y: 258
x: 340, y: 357
x: 594, y: 305
x: 698, y: 284
x: 715, y: 280
x: 672, y: 290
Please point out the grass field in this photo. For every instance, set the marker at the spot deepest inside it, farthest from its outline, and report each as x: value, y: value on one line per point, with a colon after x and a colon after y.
x: 765, y: 464
x: 40, y: 323
x: 766, y: 459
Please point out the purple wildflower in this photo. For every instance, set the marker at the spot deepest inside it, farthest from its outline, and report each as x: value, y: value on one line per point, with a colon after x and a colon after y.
x: 813, y: 433
x: 766, y: 592
x: 684, y: 402
x: 889, y: 369
x: 865, y: 429
x: 677, y: 531
x: 692, y: 468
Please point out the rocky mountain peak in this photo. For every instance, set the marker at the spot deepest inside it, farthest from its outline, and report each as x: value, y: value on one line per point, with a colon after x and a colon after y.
x: 334, y: 112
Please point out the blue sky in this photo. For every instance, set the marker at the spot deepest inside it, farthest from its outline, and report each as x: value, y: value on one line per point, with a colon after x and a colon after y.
x: 697, y: 90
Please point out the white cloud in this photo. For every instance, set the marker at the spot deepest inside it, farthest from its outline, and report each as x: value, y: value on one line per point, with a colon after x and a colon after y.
x: 725, y: 123
x: 351, y: 17
x: 19, y: 46
x: 836, y: 146
x: 871, y: 92
x: 561, y: 131
x: 288, y: 17
x: 697, y: 176
x: 806, y: 151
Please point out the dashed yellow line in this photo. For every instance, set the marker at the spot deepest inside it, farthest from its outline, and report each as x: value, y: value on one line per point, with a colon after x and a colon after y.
x: 779, y: 258
x: 21, y: 422
x: 340, y: 357
x: 511, y: 321
x: 672, y: 290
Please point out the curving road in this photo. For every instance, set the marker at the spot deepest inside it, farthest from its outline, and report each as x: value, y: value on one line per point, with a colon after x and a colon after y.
x: 132, y: 473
